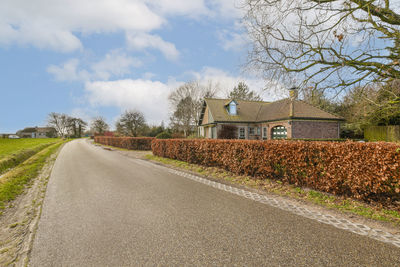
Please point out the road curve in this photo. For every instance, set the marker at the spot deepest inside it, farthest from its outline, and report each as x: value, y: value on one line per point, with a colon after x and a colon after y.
x: 105, y: 209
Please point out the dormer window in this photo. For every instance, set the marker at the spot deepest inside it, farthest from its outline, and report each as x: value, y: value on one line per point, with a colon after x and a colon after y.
x: 232, y: 108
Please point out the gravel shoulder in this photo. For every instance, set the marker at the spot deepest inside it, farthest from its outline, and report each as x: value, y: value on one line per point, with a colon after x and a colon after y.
x: 19, y: 219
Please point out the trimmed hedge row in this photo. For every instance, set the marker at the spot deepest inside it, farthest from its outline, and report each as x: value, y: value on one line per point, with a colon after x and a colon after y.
x: 133, y: 143
x: 367, y: 171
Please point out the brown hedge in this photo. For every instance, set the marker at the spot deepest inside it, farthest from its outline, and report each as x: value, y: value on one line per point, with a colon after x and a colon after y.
x: 133, y: 143
x: 367, y: 171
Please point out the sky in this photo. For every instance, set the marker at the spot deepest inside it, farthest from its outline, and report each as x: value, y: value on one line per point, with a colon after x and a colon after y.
x: 102, y: 57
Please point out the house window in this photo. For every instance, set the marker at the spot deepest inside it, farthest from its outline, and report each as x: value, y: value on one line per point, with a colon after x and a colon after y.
x: 232, y: 108
x: 251, y: 130
x: 258, y: 131
x: 241, y: 133
x: 265, y: 132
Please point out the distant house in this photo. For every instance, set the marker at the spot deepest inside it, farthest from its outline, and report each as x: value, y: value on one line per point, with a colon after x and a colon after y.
x: 37, y: 132
x: 287, y: 118
x: 5, y: 135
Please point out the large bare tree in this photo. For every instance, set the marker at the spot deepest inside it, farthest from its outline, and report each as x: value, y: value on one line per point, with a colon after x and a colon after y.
x: 327, y: 44
x: 60, y: 122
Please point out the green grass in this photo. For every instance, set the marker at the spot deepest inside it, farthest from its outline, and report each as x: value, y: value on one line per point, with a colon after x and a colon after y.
x: 15, y: 146
x: 15, y: 151
x: 14, y: 182
x: 346, y: 205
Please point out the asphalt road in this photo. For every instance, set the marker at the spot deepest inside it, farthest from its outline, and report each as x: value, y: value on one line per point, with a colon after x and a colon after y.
x: 105, y: 209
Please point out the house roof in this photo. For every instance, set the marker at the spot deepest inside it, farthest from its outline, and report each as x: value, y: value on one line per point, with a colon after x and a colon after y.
x: 28, y: 130
x: 258, y: 111
x: 37, y: 129
x: 44, y: 129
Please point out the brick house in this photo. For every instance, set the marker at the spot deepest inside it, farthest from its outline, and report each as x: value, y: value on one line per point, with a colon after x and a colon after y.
x: 256, y: 120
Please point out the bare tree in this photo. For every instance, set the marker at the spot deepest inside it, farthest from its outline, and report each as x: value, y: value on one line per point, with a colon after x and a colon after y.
x: 131, y: 123
x: 99, y: 125
x: 183, y: 117
x: 186, y: 102
x: 328, y: 44
x: 60, y: 122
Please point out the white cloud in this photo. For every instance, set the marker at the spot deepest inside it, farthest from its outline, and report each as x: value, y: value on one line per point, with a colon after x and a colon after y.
x: 268, y: 90
x: 150, y: 97
x: 141, y: 41
x: 233, y: 41
x: 226, y: 8
x: 115, y: 63
x: 181, y: 7
x: 148, y: 75
x: 53, y: 23
x: 68, y: 71
x: 85, y: 114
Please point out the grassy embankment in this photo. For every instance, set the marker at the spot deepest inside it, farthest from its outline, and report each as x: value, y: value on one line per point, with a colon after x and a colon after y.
x: 15, y: 151
x: 343, y: 204
x: 13, y: 182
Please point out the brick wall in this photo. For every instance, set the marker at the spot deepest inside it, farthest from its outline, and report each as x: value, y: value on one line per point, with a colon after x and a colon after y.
x: 278, y: 123
x: 315, y: 129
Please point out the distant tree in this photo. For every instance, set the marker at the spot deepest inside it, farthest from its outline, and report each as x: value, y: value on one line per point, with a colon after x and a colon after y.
x: 60, y: 122
x: 186, y: 102
x: 76, y: 126
x: 99, y: 125
x: 155, y: 130
x: 182, y: 118
x: 82, y: 125
x: 376, y: 104
x: 164, y: 135
x: 243, y: 92
x: 387, y: 105
x: 317, y: 98
x: 131, y: 123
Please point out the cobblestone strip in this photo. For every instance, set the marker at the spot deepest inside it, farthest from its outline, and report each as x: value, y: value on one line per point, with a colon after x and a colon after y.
x: 337, y: 222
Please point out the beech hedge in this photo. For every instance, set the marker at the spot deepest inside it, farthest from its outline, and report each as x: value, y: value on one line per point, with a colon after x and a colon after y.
x: 132, y: 143
x: 366, y: 171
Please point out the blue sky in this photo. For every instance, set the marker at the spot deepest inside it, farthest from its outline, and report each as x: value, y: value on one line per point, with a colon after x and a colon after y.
x: 90, y: 58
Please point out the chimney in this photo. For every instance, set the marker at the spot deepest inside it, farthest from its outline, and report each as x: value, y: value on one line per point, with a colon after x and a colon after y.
x: 292, y: 96
x: 293, y: 93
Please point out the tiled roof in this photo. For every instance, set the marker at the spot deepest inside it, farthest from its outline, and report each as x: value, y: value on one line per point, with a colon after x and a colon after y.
x: 257, y: 111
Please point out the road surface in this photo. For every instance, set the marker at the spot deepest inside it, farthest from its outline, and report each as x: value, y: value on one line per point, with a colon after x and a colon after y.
x: 105, y: 209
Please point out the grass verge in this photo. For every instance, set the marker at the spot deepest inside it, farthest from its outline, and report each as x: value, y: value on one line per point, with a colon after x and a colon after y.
x: 11, y: 160
x: 343, y: 204
x: 13, y: 183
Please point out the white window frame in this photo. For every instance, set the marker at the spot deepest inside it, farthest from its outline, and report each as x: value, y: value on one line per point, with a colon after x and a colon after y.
x: 240, y: 132
x: 232, y: 108
x: 251, y: 129
x: 264, y: 132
